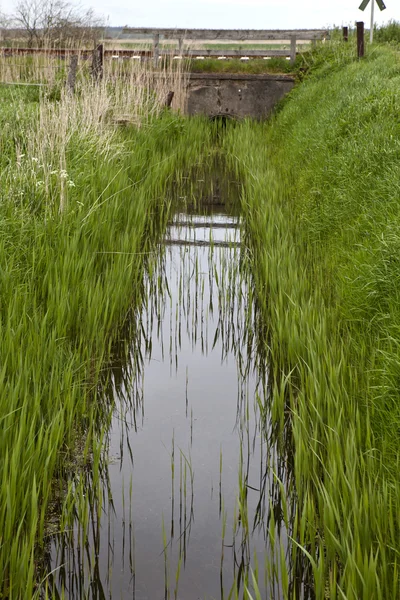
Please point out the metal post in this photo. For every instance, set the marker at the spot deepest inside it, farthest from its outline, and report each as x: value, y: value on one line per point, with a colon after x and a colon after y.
x: 360, y: 39
x: 371, y: 33
x: 345, y: 34
x: 156, y: 48
x: 293, y: 46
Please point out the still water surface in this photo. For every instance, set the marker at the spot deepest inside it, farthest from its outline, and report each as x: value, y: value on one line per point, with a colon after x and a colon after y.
x: 191, y: 474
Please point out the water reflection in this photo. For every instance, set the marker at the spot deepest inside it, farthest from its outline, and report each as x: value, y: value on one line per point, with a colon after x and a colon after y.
x: 194, y: 495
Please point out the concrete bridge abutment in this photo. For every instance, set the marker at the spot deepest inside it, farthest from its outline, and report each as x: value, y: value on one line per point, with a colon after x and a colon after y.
x: 238, y: 95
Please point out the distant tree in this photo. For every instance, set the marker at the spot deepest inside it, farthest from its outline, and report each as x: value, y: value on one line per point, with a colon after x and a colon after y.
x: 54, y: 21
x: 4, y: 20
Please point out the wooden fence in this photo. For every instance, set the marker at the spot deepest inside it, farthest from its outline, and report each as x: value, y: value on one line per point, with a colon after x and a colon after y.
x: 154, y: 36
x: 181, y: 44
x: 293, y: 36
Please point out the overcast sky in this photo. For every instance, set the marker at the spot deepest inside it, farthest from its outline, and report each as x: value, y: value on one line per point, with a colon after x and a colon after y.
x: 255, y: 14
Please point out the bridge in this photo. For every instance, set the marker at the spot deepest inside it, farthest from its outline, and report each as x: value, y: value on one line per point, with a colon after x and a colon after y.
x: 293, y: 36
x: 225, y: 94
x: 212, y: 94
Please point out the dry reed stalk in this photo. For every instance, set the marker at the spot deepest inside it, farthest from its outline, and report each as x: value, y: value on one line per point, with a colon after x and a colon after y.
x: 137, y: 84
x: 45, y: 68
x: 129, y: 91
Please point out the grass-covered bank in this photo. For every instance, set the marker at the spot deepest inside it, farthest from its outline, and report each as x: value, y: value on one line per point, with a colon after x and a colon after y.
x: 79, y: 204
x: 321, y: 198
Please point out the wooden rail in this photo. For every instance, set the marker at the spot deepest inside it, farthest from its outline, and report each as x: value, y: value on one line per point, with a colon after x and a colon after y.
x: 124, y: 53
x: 231, y: 34
x: 64, y: 53
x: 51, y: 52
x: 241, y: 35
x: 229, y: 53
x: 248, y: 35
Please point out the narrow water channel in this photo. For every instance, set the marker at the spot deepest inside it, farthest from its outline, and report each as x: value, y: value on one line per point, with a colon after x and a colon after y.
x: 193, y: 485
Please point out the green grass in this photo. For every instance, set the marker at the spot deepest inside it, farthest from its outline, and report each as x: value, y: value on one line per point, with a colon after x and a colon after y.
x: 255, y: 66
x: 246, y: 46
x: 330, y: 56
x: 321, y: 200
x: 68, y: 279
x: 389, y: 33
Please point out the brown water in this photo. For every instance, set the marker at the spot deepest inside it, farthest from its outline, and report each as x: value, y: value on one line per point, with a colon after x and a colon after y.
x: 193, y: 487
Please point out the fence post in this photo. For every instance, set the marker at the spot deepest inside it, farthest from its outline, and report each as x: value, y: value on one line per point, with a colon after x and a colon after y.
x: 293, y: 47
x: 360, y: 39
x: 156, y: 48
x: 345, y: 34
x: 73, y: 66
x: 97, y: 63
x: 169, y: 99
x: 180, y: 46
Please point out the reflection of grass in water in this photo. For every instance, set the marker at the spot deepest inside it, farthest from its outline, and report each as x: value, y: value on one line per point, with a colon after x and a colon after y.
x: 229, y: 301
x: 166, y: 562
x: 186, y: 475
x: 235, y: 333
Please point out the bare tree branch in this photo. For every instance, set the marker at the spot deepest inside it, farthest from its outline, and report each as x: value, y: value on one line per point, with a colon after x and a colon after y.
x: 55, y: 21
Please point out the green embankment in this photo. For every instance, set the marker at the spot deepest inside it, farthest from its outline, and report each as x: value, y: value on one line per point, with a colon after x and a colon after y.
x: 68, y: 278
x: 322, y: 202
